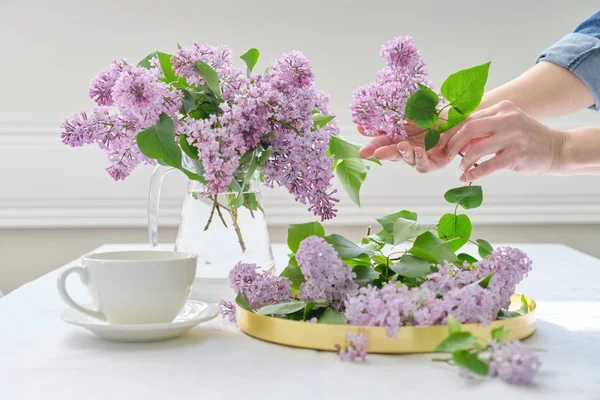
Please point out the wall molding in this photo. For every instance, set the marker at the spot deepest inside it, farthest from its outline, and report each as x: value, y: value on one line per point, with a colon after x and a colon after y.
x: 58, y: 187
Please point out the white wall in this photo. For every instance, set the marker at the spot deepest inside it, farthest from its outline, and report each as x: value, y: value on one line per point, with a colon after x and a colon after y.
x: 51, y: 50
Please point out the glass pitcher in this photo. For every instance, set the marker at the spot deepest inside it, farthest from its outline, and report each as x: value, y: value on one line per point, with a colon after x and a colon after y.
x: 220, y: 236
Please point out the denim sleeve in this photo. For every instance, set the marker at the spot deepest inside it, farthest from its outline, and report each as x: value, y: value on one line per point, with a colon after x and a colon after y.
x: 579, y: 52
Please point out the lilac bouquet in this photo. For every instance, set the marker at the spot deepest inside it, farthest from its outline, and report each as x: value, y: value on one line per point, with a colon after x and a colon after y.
x: 197, y: 112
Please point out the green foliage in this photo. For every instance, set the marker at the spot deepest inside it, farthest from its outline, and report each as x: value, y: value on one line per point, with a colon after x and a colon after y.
x: 405, y: 229
x: 467, y: 196
x: 282, y: 308
x: 484, y: 283
x: 455, y: 229
x: 345, y: 248
x: 411, y: 267
x: 484, y: 248
x: 320, y: 120
x: 387, y: 222
x: 250, y: 58
x: 240, y: 301
x: 464, y: 89
x: 453, y: 324
x: 164, y: 61
x: 365, y: 273
x: 432, y: 138
x: 431, y: 248
x: 500, y: 334
x: 208, y: 74
x: 294, y: 274
x: 298, y: 232
x: 454, y: 118
x: 460, y: 340
x: 421, y: 108
x: 332, y: 317
x: 352, y: 173
x: 471, y: 362
x: 462, y: 257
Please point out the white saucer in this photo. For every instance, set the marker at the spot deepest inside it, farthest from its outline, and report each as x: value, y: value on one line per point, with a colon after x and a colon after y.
x: 193, y: 313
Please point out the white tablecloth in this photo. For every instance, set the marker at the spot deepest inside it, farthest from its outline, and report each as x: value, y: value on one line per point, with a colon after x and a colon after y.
x: 41, y: 357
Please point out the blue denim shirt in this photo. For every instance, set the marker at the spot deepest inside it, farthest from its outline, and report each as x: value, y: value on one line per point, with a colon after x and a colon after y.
x: 579, y: 52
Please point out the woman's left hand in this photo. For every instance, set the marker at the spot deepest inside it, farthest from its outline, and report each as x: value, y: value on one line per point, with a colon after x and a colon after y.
x: 517, y: 141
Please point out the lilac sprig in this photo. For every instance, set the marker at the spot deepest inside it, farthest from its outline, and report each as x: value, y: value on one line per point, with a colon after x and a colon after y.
x: 379, y: 106
x: 513, y: 362
x: 355, y: 347
x: 259, y: 288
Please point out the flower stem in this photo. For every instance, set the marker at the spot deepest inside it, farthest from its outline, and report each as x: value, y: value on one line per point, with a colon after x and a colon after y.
x: 212, y: 213
x: 218, y: 207
x: 234, y: 219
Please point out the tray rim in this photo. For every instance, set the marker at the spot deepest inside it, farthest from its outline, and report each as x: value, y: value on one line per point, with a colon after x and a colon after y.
x: 412, y: 339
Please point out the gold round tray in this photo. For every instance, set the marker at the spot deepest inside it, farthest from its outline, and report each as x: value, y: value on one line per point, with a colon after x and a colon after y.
x: 418, y: 339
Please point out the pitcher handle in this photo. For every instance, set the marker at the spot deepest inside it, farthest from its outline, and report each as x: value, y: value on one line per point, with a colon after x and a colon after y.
x: 154, y: 200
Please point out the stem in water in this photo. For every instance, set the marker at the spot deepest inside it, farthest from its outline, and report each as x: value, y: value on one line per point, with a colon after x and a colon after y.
x: 212, y: 213
x: 238, y: 232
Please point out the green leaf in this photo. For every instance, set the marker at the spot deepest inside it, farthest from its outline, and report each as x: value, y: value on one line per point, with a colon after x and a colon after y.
x: 524, y: 309
x: 320, y: 120
x: 456, y: 228
x: 433, y: 249
x: 411, y: 267
x: 471, y: 362
x: 250, y: 58
x: 454, y: 118
x: 251, y: 168
x: 209, y: 76
x: 462, y: 257
x: 432, y: 138
x: 345, y: 248
x: 364, y: 273
x: 485, y: 249
x: 467, y: 196
x: 164, y: 61
x: 421, y: 108
x: 158, y: 142
x: 453, y: 324
x: 369, y: 243
x: 299, y: 232
x: 240, y: 301
x: 309, y: 307
x: 332, y: 317
x: 500, y: 334
x: 282, y: 308
x: 294, y: 274
x: 405, y: 229
x: 461, y: 340
x: 484, y: 283
x: 464, y: 89
x: 387, y: 222
x: 352, y: 173
x: 188, y: 103
x: 189, y: 150
x: 342, y: 149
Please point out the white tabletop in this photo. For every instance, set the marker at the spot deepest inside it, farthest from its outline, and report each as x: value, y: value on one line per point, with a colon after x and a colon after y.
x: 42, y: 357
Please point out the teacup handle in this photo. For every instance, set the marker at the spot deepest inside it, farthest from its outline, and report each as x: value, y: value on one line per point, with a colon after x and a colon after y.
x: 62, y: 290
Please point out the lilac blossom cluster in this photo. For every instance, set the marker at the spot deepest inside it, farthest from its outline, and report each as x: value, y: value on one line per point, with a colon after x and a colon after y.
x: 327, y: 277
x: 451, y: 290
x: 273, y: 110
x: 379, y: 106
x: 513, y: 362
x: 227, y: 310
x: 259, y: 288
x: 356, y: 347
x: 128, y: 99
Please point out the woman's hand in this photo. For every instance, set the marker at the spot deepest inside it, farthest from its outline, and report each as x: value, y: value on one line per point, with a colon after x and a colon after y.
x: 411, y: 150
x: 516, y: 140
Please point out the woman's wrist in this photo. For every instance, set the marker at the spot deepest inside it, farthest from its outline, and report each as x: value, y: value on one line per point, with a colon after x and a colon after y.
x: 578, y: 152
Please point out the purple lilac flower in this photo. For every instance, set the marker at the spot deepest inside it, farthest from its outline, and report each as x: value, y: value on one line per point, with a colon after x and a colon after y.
x: 292, y: 69
x: 227, y: 309
x: 327, y: 277
x: 219, y: 148
x: 379, y: 106
x: 356, y: 347
x: 102, y: 84
x: 219, y: 58
x: 513, y: 362
x: 139, y: 94
x: 259, y: 289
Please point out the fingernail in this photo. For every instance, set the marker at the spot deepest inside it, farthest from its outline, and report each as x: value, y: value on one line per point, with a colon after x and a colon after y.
x: 402, y: 152
x: 463, y: 178
x: 418, y: 154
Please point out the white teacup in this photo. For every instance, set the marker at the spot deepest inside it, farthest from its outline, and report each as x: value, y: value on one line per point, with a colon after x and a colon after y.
x: 133, y: 287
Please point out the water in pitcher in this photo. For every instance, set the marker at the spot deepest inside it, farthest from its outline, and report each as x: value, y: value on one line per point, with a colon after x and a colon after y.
x: 222, y: 237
